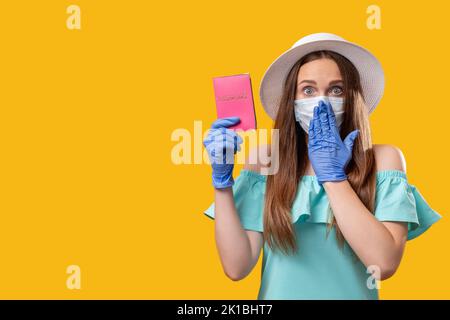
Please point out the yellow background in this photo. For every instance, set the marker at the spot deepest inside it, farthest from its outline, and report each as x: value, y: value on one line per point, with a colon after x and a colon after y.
x: 86, y: 117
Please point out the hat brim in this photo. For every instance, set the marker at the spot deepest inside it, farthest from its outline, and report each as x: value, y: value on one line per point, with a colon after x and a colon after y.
x: 369, y: 69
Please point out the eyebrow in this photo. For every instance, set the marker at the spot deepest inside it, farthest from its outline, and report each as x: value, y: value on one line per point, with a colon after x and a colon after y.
x: 313, y: 82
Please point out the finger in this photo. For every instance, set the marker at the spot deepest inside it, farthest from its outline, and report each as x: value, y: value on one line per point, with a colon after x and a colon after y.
x: 311, y: 128
x: 225, y: 122
x: 235, y: 134
x: 221, y: 131
x: 316, y: 125
x: 350, y: 139
x: 218, y: 150
x: 212, y: 134
x: 226, y: 141
x: 323, y: 113
x: 228, y: 149
x: 235, y: 140
x: 225, y: 131
x: 331, y: 117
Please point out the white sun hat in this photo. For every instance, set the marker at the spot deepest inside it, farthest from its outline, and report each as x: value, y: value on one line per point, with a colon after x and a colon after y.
x: 369, y: 69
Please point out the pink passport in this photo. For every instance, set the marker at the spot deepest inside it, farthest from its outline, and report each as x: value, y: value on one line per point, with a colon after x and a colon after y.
x: 234, y: 98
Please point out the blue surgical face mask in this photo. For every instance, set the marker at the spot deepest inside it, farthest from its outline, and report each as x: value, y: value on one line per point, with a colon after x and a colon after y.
x: 304, y: 110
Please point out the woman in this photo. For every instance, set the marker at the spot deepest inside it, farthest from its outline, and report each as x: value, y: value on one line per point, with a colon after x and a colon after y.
x: 335, y: 217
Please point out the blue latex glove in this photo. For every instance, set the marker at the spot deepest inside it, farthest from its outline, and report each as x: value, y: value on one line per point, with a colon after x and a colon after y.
x: 221, y: 144
x: 329, y: 155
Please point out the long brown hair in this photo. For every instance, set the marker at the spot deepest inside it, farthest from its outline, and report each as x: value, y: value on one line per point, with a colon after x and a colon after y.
x: 281, y: 187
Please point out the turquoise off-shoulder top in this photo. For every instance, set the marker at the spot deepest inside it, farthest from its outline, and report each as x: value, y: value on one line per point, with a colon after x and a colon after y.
x: 320, y: 269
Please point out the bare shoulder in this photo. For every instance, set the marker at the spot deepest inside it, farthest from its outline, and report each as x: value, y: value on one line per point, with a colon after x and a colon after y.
x: 389, y: 157
x: 258, y: 158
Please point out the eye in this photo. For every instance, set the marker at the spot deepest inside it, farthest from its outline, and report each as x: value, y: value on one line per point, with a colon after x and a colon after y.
x: 337, y: 90
x: 307, y: 90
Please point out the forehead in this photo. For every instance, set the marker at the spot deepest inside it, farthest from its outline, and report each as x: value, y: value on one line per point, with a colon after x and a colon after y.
x: 321, y: 69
